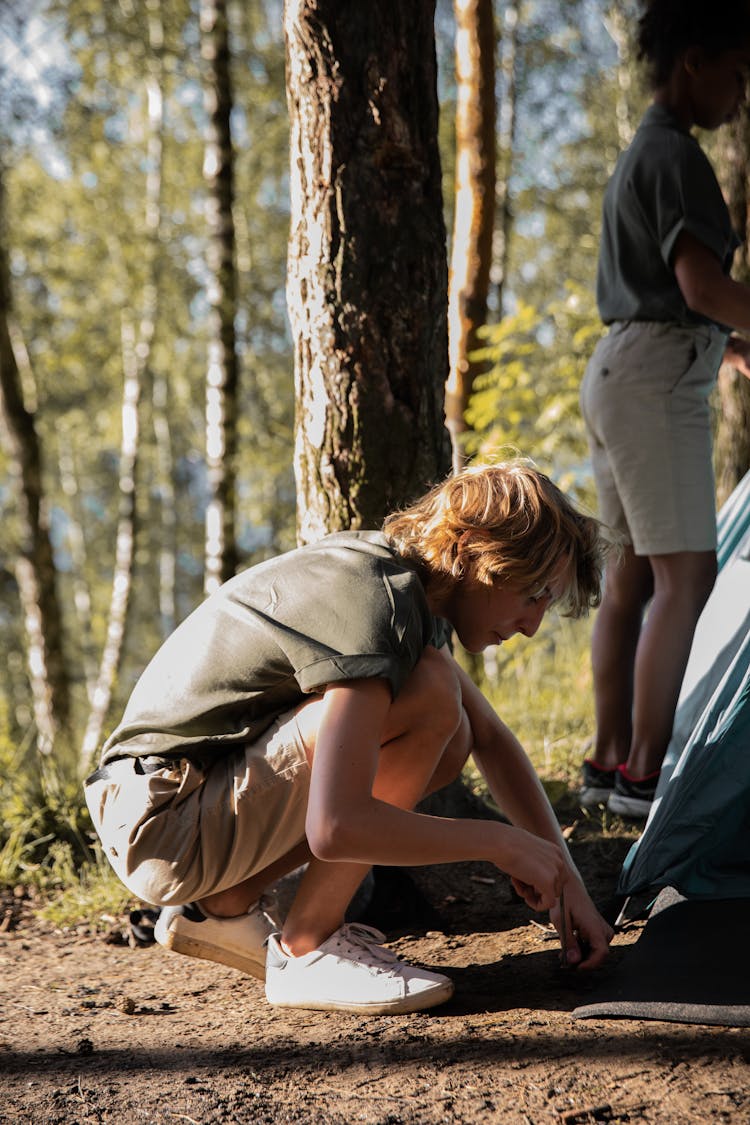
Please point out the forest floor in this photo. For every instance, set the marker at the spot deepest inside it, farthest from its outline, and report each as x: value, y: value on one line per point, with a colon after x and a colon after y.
x: 95, y: 1030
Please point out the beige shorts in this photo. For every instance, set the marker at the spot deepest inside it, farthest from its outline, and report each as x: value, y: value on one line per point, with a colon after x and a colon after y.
x: 179, y: 832
x: 644, y: 399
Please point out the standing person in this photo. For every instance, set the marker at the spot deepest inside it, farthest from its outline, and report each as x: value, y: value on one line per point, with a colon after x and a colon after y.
x: 304, y: 709
x: 664, y: 289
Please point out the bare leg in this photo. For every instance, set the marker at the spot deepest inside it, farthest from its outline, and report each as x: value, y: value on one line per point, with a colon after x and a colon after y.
x: 237, y: 900
x: 628, y: 587
x: 682, y: 584
x: 425, y: 744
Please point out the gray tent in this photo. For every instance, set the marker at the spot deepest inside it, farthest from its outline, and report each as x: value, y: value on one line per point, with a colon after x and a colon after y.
x: 697, y: 837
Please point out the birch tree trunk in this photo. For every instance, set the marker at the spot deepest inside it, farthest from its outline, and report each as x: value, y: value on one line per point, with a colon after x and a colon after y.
x: 136, y: 356
x: 475, y: 206
x: 77, y: 545
x: 122, y: 578
x: 35, y: 567
x: 222, y: 375
x: 619, y: 22
x: 160, y: 391
x: 366, y: 282
x: 167, y: 504
x: 732, y: 445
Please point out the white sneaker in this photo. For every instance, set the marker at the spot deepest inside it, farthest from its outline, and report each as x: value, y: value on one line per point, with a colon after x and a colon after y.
x: 351, y: 972
x: 237, y: 942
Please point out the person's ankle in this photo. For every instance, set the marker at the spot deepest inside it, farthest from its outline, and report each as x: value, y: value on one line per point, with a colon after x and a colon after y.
x: 297, y: 942
x: 223, y: 911
x: 639, y: 771
x: 608, y: 755
x: 606, y: 766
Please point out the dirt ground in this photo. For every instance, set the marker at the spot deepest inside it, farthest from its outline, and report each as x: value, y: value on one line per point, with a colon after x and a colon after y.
x: 94, y: 1030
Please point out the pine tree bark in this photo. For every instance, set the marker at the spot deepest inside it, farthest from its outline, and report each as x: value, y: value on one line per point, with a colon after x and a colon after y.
x: 506, y: 143
x: 367, y: 276
x: 474, y: 220
x: 35, y: 569
x: 222, y: 377
x: 732, y: 446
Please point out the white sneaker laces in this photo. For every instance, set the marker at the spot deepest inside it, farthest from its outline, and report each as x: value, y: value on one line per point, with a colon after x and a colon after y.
x: 355, y: 939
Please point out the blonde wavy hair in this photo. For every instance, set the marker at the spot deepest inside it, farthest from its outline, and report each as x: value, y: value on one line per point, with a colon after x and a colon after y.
x: 504, y: 523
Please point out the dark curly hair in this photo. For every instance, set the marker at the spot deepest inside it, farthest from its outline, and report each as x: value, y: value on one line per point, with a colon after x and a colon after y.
x: 668, y: 27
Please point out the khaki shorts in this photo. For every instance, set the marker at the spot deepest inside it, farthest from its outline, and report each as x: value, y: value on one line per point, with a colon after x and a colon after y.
x: 644, y: 399
x: 178, y: 832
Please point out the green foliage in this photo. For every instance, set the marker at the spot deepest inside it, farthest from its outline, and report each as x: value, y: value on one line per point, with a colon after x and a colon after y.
x: 46, y: 837
x: 85, y: 266
x: 528, y: 398
x: 42, y: 814
x: 542, y: 690
x: 89, y: 893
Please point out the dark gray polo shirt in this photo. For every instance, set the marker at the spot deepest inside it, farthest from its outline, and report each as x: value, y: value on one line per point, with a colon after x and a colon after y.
x: 340, y: 609
x: 662, y: 184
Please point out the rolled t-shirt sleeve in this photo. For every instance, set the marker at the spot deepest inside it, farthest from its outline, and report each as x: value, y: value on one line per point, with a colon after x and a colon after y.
x: 663, y: 184
x: 386, y: 628
x: 358, y: 666
x: 689, y: 199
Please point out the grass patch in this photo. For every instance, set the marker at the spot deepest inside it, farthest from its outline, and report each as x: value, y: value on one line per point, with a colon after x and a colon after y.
x: 542, y: 689
x: 90, y: 893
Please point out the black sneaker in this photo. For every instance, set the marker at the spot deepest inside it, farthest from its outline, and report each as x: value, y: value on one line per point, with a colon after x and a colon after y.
x: 633, y: 796
x: 598, y: 784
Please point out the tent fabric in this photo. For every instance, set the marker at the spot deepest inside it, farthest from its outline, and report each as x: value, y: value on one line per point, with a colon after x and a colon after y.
x: 697, y: 836
x: 686, y: 967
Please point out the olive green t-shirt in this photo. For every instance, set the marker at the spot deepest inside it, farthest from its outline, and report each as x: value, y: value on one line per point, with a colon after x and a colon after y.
x: 340, y: 609
x: 662, y: 184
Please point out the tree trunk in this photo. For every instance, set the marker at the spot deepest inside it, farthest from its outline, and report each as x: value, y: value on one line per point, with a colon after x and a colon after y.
x: 136, y: 357
x: 167, y: 504
x: 223, y: 370
x: 160, y: 397
x: 475, y: 206
x: 732, y: 447
x: 35, y: 568
x: 619, y: 23
x: 366, y: 282
x: 506, y: 143
x: 77, y: 547
x: 122, y: 578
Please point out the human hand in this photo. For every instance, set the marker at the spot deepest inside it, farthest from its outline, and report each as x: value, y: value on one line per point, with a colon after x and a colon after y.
x: 737, y: 353
x: 586, y: 934
x: 536, y: 867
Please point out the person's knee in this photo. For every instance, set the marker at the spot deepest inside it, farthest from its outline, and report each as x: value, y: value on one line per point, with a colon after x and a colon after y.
x: 687, y: 579
x: 629, y: 584
x: 706, y: 579
x: 435, y: 693
x: 454, y: 756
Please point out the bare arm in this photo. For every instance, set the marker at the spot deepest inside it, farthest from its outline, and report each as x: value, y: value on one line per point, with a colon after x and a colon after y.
x: 517, y: 790
x: 708, y: 291
x: 348, y: 819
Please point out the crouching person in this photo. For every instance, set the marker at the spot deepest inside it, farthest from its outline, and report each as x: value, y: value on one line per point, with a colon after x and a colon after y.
x: 302, y: 712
